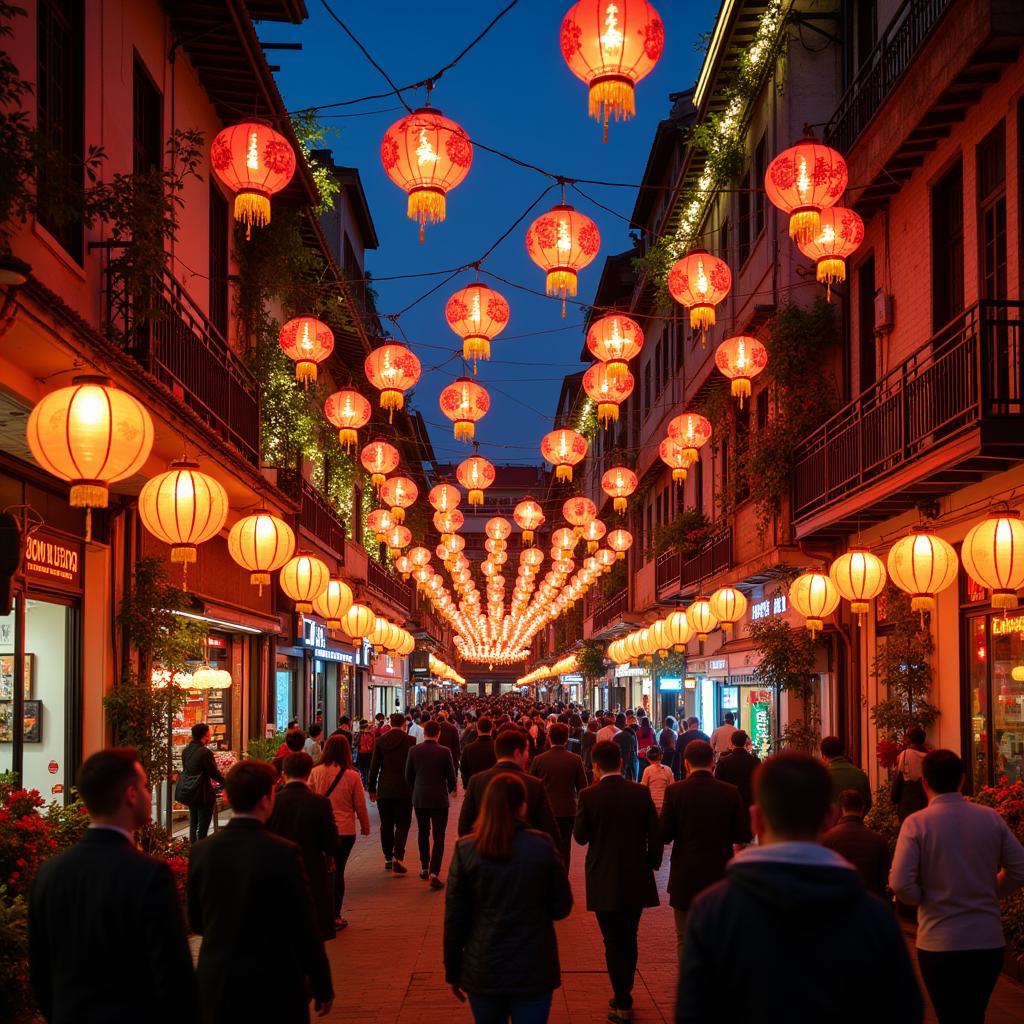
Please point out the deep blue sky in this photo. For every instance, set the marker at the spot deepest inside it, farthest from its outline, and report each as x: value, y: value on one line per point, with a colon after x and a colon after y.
x: 513, y: 92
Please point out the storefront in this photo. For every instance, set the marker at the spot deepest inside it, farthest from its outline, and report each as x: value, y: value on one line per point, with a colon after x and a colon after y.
x: 314, y: 678
x: 630, y: 685
x: 387, y: 686
x: 572, y: 687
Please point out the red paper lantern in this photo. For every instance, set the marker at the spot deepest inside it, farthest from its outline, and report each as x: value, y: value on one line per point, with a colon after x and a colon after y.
x: 677, y: 457
x: 529, y: 516
x: 444, y: 497
x: 803, y: 181
x: 837, y: 240
x: 348, y: 411
x: 699, y: 282
x: 307, y: 341
x: 563, y: 449
x: 446, y: 523
x: 606, y: 392
x: 615, y: 340
x: 593, y: 533
x: 399, y: 493
x: 740, y: 359
x: 562, y: 242
x: 380, y: 521
x: 498, y: 528
x: 578, y: 512
x: 427, y: 155
x: 477, y: 314
x: 397, y: 538
x: 475, y: 474
x: 254, y: 162
x: 379, y: 458
x: 620, y: 541
x: 619, y: 483
x: 464, y: 402
x: 392, y: 369
x: 692, y: 431
x: 611, y: 45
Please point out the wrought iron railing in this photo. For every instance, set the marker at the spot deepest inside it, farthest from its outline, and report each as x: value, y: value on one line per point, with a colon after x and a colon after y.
x: 969, y: 371
x: 666, y: 570
x: 714, y: 557
x: 316, y: 514
x: 388, y: 586
x: 611, y: 611
x: 882, y: 70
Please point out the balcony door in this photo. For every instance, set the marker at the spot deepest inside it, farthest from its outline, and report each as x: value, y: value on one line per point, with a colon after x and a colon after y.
x: 948, y: 247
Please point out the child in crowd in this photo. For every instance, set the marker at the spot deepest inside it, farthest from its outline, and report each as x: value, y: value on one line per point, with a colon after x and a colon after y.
x: 657, y: 777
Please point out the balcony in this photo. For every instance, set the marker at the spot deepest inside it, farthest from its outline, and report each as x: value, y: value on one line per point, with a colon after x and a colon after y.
x: 945, y: 418
x: 175, y: 342
x: 388, y: 586
x: 675, y: 575
x: 316, y: 516
x: 611, y: 612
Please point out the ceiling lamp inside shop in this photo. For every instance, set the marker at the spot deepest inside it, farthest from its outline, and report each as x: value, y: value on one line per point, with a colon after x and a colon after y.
x: 477, y: 314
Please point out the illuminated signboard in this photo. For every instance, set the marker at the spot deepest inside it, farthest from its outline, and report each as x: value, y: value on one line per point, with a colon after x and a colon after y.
x: 768, y: 607
x: 667, y: 683
x: 1010, y: 624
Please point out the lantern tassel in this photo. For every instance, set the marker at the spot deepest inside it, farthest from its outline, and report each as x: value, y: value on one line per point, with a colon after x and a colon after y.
x: 804, y: 226
x: 252, y: 208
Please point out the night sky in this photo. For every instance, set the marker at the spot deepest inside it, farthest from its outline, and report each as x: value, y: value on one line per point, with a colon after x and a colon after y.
x: 512, y: 92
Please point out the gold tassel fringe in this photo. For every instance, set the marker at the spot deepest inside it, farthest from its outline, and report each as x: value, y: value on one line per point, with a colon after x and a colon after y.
x: 619, y: 504
x: 347, y: 438
x: 563, y: 474
x: 741, y: 388
x: 464, y: 430
x: 606, y: 412
x: 305, y: 371
x: 252, y: 208
x: 804, y: 226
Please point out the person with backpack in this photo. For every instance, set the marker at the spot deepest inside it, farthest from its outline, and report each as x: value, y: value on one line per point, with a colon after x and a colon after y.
x: 908, y: 777
x: 365, y: 740
x: 195, y: 784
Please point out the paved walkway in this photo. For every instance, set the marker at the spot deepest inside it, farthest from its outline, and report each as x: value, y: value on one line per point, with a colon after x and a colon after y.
x: 388, y: 968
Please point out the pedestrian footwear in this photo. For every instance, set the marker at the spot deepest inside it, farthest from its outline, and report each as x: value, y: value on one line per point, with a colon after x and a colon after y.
x: 435, y: 882
x: 399, y: 868
x: 615, y: 1017
x: 340, y: 923
x: 387, y: 865
x: 424, y: 874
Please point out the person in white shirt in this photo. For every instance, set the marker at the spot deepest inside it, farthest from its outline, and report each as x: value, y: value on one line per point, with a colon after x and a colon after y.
x: 609, y: 731
x: 415, y: 729
x: 953, y: 861
x: 657, y: 777
x: 313, y: 745
x: 721, y: 738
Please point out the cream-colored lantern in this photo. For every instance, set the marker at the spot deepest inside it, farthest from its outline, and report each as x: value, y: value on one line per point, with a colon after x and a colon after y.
x: 860, y: 577
x: 993, y: 556
x: 922, y: 564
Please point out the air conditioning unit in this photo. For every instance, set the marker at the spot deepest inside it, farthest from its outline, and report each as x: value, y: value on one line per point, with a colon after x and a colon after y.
x: 883, y: 312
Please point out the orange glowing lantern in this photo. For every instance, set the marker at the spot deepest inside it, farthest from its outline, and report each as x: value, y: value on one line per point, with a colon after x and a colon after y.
x: 400, y: 493
x: 464, y: 402
x: 740, y: 359
x: 606, y: 392
x: 427, y: 155
x: 922, y: 564
x: 419, y: 556
x: 803, y: 181
x: 304, y: 578
x: 615, y: 340
x: 446, y: 523
x: 562, y: 242
x: 398, y: 537
x: 993, y: 556
x: 676, y: 457
x: 348, y: 411
x: 578, y: 512
x: 498, y: 528
x: 477, y: 314
x: 593, y: 534
x: 837, y: 239
x: 606, y: 558
x: 692, y: 431
x: 475, y: 474
x: 563, y: 449
x: 702, y: 618
x: 392, y: 369
x: 728, y: 604
x: 261, y: 542
x: 619, y: 483
x: 611, y: 45
x: 379, y: 458
x: 253, y: 162
x: 815, y: 597
x: 529, y: 516
x: 379, y: 521
x: 334, y: 602
x: 444, y: 497
x: 699, y: 282
x: 358, y: 622
x: 307, y: 341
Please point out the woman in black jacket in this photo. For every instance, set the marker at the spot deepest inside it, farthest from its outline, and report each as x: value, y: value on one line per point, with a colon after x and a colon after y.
x: 506, y: 888
x: 195, y: 784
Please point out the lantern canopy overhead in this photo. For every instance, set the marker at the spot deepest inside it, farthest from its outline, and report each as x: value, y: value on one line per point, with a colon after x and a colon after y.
x: 802, y: 181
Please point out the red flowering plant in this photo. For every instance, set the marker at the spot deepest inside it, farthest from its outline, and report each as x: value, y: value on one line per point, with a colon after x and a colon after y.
x: 886, y: 753
x: 26, y: 838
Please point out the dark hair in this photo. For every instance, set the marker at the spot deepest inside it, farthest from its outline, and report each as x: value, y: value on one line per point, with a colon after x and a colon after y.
x: 199, y: 730
x: 916, y: 734
x: 499, y: 811
x: 293, y: 724
x: 699, y: 754
x: 295, y: 740
x: 607, y: 756
x: 484, y: 726
x: 730, y: 718
x: 943, y: 771
x: 654, y: 753
x: 510, y: 742
x: 104, y: 777
x: 432, y: 729
x: 739, y: 738
x: 248, y: 783
x: 669, y: 722
x: 850, y: 801
x: 693, y: 722
x: 831, y: 746
x: 297, y: 766
x: 397, y: 720
x: 344, y: 720
x: 559, y: 733
x: 338, y: 752
x: 794, y: 792
x: 315, y: 729
x: 620, y: 721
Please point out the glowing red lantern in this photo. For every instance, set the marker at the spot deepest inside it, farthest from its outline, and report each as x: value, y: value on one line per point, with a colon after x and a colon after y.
x: 593, y: 533
x: 348, y: 411
x: 475, y: 474
x: 397, y: 538
x: 498, y: 528
x: 307, y: 341
x: 837, y: 240
x: 379, y: 458
x: 803, y: 181
x: 254, y: 162
x: 607, y: 393
x: 615, y: 340
x: 562, y: 242
x: 563, y: 449
x: 427, y: 155
x: 740, y: 359
x: 692, y: 431
x: 446, y: 523
x: 619, y: 483
x: 444, y: 497
x: 529, y: 516
x: 477, y: 314
x: 464, y: 402
x: 380, y: 521
x: 620, y: 541
x: 611, y: 45
x: 392, y: 369
x: 578, y: 512
x: 677, y: 457
x: 399, y: 493
x: 699, y: 282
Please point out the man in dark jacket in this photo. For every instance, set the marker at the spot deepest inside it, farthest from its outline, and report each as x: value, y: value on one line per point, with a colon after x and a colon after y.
x: 449, y: 736
x: 814, y: 907
x: 512, y: 750
x: 307, y: 819
x: 195, y: 784
x: 617, y: 819
x: 738, y: 765
x: 563, y: 778
x: 703, y: 818
x: 866, y: 850
x: 691, y: 733
x: 393, y: 795
x: 843, y: 772
x: 241, y: 942
x: 430, y: 772
x: 625, y: 739
x: 477, y: 755
x: 106, y: 940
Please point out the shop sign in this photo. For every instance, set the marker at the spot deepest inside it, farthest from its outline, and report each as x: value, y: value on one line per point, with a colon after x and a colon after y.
x: 690, y: 683
x: 673, y: 683
x: 364, y: 654
x: 571, y: 679
x: 53, y: 559
x: 629, y: 671
x: 419, y: 664
x: 768, y: 608
x: 314, y: 635
x: 718, y: 664
x: 1001, y: 625
x: 761, y: 723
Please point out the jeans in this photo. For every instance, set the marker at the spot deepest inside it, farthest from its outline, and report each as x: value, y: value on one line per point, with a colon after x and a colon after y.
x: 619, y: 929
x: 428, y: 818
x: 345, y: 844
x: 532, y: 1009
x: 960, y: 982
x: 565, y: 839
x: 199, y: 819
x: 395, y: 820
x: 680, y: 916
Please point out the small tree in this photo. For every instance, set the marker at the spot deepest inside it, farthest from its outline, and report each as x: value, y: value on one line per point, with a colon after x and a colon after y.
x: 590, y: 661
x: 787, y: 666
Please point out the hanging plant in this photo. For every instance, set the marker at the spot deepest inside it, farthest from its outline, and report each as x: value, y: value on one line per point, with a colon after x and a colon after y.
x: 687, y: 533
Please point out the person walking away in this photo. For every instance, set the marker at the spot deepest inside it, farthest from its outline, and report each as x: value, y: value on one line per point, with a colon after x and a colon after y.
x: 866, y: 850
x: 103, y: 903
x: 381, y: 725
x: 285, y: 749
x: 416, y: 728
x: 449, y: 737
x: 430, y: 774
x: 587, y: 741
x: 657, y: 777
x: 625, y: 739
x: 393, y: 795
x: 810, y: 904
x: 512, y: 750
x: 953, y: 861
x: 194, y: 788
x: 609, y: 729
x: 646, y: 738
x: 477, y: 755
x: 721, y: 738
x: 907, y: 781
x: 506, y: 888
x: 668, y: 739
x: 737, y: 767
x: 335, y: 778
x: 618, y: 822
x: 307, y: 819
x: 843, y: 772
x: 246, y: 971
x: 365, y: 740
x: 294, y: 743
x: 562, y: 775
x: 690, y: 733
x: 314, y: 745
x: 704, y: 819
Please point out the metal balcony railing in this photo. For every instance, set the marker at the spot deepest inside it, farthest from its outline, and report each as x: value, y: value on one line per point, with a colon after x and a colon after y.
x: 666, y: 570
x: 611, y: 611
x: 387, y: 585
x: 714, y: 557
x: 316, y: 515
x: 885, y: 66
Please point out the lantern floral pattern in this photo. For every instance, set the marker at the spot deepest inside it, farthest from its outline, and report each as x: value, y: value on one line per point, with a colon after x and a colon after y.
x: 306, y: 341
x: 619, y: 483
x: 691, y: 430
x: 562, y: 242
x: 699, y: 282
x: 399, y: 493
x: 348, y: 411
x: 379, y: 458
x: 802, y: 181
x: 615, y: 340
x: 477, y: 314
x: 444, y: 497
x: 838, y: 238
x: 607, y: 393
x: 464, y: 402
x: 392, y: 369
x: 563, y: 449
x: 475, y: 474
x: 741, y: 359
x: 529, y: 517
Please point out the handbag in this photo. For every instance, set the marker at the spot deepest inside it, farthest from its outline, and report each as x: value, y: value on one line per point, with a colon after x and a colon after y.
x: 337, y: 779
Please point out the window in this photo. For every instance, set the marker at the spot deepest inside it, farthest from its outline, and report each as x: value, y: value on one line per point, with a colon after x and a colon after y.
x: 948, y: 247
x: 757, y: 183
x: 743, y: 236
x: 218, y: 260
x: 866, y: 323
x: 147, y: 121
x: 60, y: 94
x: 991, y: 169
x: 647, y: 387
x: 742, y: 444
x: 761, y: 407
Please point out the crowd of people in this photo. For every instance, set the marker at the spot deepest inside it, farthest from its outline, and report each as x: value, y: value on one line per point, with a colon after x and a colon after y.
x: 768, y: 857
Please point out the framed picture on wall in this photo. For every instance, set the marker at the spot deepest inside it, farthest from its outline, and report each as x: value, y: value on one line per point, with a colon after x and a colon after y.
x: 7, y: 676
x: 6, y: 721
x: 33, y: 728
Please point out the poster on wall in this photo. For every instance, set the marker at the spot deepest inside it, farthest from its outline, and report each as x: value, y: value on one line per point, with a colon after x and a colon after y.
x: 33, y: 726
x: 7, y: 676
